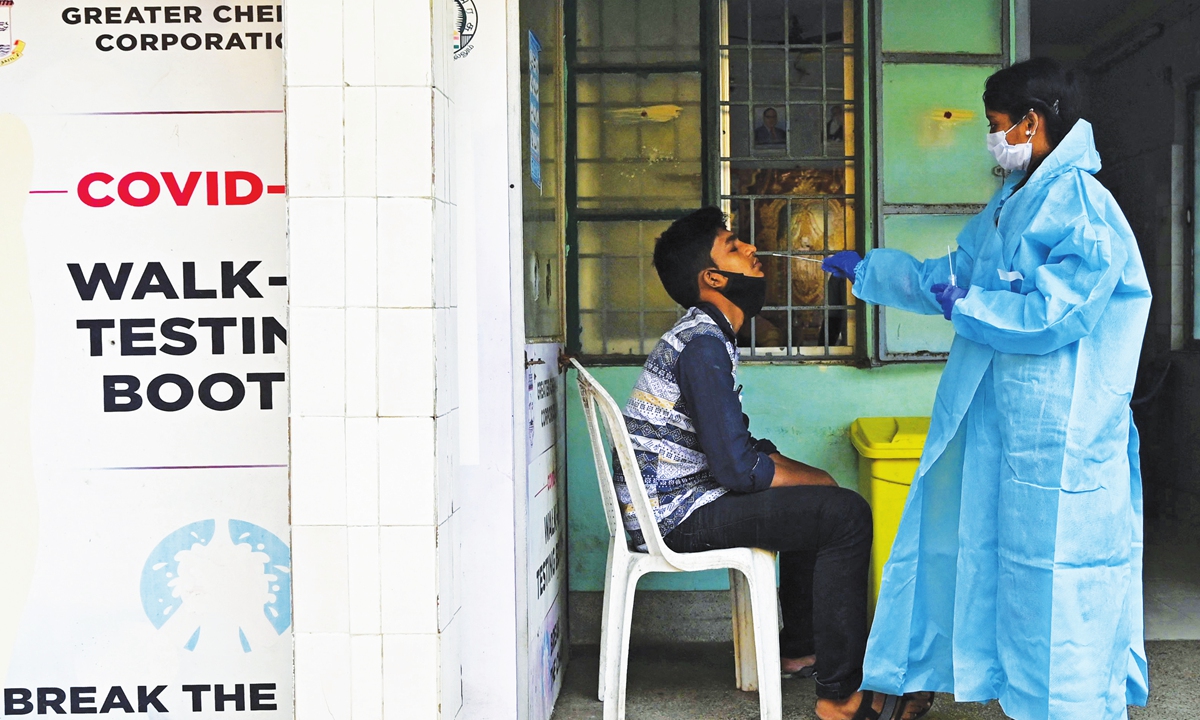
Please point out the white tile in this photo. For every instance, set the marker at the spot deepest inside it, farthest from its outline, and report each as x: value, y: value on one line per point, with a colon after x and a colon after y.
x: 360, y: 141
x: 449, y: 587
x: 362, y: 471
x: 362, y: 267
x: 403, y: 50
x: 446, y: 434
x: 358, y: 33
x: 408, y: 579
x: 445, y: 22
x: 405, y: 141
x: 318, y: 471
x: 316, y: 251
x: 364, y: 579
x: 318, y: 360
x: 314, y: 37
x: 443, y: 148
x: 361, y: 352
x: 406, y: 357
x: 366, y: 662
x: 446, y: 359
x: 410, y: 677
x: 445, y: 255
x: 323, y: 689
x: 320, y: 595
x: 314, y: 142
x: 407, y: 471
x: 406, y: 362
x: 409, y: 588
x: 405, y: 246
x: 451, y: 676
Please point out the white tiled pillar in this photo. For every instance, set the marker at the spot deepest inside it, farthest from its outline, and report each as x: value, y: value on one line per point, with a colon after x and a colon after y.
x: 373, y: 370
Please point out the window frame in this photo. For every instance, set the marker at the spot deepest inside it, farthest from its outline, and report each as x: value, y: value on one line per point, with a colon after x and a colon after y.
x: 860, y: 160
x: 574, y: 215
x: 880, y: 208
x: 1192, y: 159
x: 709, y: 67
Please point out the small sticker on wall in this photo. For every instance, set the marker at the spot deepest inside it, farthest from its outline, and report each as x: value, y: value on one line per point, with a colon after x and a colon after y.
x: 11, y: 48
x: 464, y: 28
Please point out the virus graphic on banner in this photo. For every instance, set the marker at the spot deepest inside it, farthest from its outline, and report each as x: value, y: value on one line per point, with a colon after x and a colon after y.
x: 219, y: 590
x: 10, y: 47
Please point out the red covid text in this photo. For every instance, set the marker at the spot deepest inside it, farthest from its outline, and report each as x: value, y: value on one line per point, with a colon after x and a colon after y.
x: 142, y: 189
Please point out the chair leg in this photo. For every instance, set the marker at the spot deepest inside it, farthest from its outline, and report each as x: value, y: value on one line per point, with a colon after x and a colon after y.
x: 614, y: 695
x: 614, y: 610
x: 765, y: 602
x: 744, y: 655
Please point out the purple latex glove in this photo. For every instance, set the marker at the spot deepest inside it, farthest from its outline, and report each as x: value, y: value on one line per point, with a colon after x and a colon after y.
x: 842, y: 264
x: 947, y: 295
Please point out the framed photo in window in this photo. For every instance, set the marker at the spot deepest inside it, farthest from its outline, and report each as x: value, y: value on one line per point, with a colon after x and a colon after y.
x: 770, y: 128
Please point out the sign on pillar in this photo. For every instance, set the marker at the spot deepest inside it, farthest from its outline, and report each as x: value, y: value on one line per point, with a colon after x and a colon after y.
x: 143, y: 316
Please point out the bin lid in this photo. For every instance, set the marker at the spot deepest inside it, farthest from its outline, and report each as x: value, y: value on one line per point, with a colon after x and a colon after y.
x: 890, y: 437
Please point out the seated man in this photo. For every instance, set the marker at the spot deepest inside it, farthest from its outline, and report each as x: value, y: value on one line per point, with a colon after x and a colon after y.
x: 714, y: 486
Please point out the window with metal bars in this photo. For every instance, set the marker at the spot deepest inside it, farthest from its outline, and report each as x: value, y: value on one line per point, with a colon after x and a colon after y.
x: 674, y: 104
x: 788, y: 119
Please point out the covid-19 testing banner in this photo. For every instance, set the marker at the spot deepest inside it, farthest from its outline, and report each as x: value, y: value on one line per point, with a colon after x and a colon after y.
x: 144, y: 560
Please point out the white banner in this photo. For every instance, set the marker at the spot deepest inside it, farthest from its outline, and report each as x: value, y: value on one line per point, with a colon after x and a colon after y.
x: 143, y: 358
x: 545, y: 526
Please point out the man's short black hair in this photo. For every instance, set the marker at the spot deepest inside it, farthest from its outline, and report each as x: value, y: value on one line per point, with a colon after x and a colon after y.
x: 684, y: 250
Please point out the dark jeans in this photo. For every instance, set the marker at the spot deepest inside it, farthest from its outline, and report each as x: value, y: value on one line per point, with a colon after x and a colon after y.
x: 823, y: 536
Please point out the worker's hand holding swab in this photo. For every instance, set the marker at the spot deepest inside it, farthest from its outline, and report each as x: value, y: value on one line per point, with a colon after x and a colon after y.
x: 842, y: 264
x: 947, y: 295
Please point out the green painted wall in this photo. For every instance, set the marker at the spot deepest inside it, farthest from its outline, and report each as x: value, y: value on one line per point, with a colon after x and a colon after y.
x: 805, y: 409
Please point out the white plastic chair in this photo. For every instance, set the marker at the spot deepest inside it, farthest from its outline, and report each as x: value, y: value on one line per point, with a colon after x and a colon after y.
x: 751, y: 574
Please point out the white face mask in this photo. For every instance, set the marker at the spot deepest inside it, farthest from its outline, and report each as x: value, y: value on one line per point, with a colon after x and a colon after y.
x: 1011, y: 157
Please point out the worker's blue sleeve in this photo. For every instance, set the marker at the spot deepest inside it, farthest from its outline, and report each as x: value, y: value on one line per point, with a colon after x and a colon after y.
x: 705, y: 376
x: 1068, y: 293
x: 896, y: 279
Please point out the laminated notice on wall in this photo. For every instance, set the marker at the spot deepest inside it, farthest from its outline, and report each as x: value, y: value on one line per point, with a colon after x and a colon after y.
x: 546, y: 533
x: 535, y: 111
x: 143, y: 337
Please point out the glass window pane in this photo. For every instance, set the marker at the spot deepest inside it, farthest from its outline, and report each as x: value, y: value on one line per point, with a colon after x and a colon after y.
x: 934, y: 148
x: 644, y: 133
x: 637, y: 31
x: 923, y: 236
x: 617, y: 281
x: 966, y: 26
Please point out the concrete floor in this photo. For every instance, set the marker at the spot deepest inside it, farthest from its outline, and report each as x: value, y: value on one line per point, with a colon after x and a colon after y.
x: 696, y: 681
x: 1172, y: 591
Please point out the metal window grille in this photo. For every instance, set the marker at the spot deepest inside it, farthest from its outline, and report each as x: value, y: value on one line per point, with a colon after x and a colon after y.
x: 788, y: 120
x: 637, y: 105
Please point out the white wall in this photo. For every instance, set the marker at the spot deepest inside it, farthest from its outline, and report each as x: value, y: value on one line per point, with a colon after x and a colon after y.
x: 374, y: 406
x: 491, y: 332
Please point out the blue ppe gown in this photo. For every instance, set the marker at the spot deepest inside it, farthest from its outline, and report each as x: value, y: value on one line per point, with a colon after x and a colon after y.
x: 1017, y: 570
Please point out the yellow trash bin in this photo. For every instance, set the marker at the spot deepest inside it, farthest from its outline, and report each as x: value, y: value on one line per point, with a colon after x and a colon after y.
x: 889, y: 451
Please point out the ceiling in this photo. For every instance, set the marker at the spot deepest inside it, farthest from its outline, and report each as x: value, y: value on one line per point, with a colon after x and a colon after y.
x: 1085, y: 22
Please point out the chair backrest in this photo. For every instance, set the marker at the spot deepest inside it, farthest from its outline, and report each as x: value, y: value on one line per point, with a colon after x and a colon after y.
x: 596, y: 398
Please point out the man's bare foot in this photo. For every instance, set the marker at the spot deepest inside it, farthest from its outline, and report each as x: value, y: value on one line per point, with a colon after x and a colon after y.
x: 792, y: 666
x: 846, y: 709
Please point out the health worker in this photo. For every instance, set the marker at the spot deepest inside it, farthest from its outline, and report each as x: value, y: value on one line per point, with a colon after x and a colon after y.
x: 1016, y: 571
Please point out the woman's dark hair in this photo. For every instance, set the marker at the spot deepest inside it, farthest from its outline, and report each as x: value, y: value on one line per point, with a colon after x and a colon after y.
x: 684, y: 250
x: 1038, y: 84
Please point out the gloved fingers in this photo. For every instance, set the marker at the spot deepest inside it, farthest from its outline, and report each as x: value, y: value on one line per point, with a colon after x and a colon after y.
x: 939, y: 288
x: 829, y: 267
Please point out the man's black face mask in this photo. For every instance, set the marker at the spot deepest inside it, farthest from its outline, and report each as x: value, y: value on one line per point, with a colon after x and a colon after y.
x: 747, y: 292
